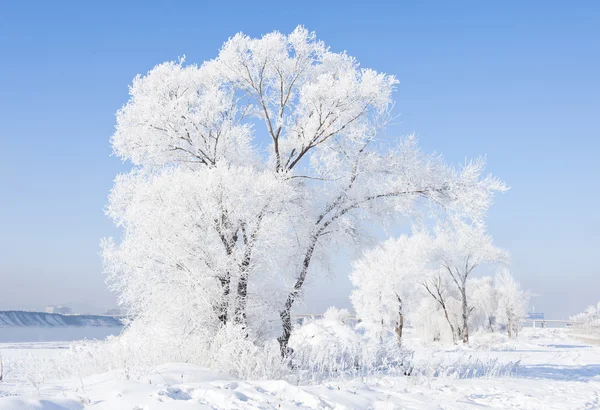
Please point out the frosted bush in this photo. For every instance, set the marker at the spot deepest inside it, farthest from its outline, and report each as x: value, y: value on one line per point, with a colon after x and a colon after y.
x: 331, y: 348
x: 465, y: 367
x: 28, y: 373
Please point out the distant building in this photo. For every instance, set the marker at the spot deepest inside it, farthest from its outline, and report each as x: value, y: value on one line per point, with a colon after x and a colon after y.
x: 63, y: 310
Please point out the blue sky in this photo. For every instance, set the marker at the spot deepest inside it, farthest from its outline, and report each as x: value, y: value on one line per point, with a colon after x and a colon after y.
x: 516, y: 81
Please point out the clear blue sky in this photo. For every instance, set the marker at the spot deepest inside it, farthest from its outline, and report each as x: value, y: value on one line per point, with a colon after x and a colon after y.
x: 516, y: 81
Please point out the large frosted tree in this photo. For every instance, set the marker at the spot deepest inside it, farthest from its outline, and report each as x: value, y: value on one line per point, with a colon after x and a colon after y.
x: 248, y: 167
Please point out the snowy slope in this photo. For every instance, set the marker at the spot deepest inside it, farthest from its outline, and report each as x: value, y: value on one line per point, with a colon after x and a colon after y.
x: 20, y: 318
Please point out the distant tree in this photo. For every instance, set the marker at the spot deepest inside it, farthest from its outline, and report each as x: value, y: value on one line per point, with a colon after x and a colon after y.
x: 512, y: 302
x: 483, y: 300
x: 386, y: 280
x: 460, y: 249
x: 588, y: 321
x: 438, y: 286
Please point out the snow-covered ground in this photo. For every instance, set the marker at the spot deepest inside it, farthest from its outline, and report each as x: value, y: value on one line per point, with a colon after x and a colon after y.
x: 543, y: 369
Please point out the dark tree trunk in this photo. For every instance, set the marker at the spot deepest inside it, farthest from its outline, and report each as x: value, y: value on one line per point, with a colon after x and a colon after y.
x: 242, y: 289
x: 242, y: 286
x: 400, y: 323
x: 242, y: 294
x: 286, y: 313
x: 221, y: 308
x: 491, y: 323
x: 229, y: 244
x: 286, y: 322
x: 399, y: 327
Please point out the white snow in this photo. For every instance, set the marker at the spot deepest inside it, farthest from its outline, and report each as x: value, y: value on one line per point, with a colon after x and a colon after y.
x: 555, y: 371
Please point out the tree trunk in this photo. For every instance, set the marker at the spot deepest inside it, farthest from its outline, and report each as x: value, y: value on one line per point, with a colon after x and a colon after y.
x: 399, y: 327
x: 491, y: 323
x: 228, y: 243
x: 286, y: 324
x: 221, y: 308
x: 286, y: 313
x: 242, y: 288
x: 242, y: 295
x: 400, y: 323
x: 440, y: 299
x: 465, y: 315
x: 510, y: 326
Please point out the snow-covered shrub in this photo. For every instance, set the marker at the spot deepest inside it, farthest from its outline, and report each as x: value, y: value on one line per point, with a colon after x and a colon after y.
x: 331, y: 348
x: 588, y: 321
x: 231, y: 350
x: 465, y: 367
x: 326, y: 346
x: 29, y: 372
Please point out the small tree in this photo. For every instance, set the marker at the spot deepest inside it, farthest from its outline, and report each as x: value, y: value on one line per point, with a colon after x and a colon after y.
x: 460, y: 249
x: 438, y: 287
x: 386, y: 281
x: 512, y: 302
x: 483, y: 301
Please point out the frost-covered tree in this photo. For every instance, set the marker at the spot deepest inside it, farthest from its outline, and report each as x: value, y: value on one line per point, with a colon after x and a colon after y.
x: 483, y: 300
x: 512, y: 302
x: 394, y: 275
x: 446, y: 316
x: 248, y: 167
x: 386, y: 279
x: 459, y: 250
x: 447, y: 302
x: 194, y: 242
x: 588, y: 321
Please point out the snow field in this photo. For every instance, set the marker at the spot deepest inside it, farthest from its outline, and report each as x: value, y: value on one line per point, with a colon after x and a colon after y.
x: 542, y: 369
